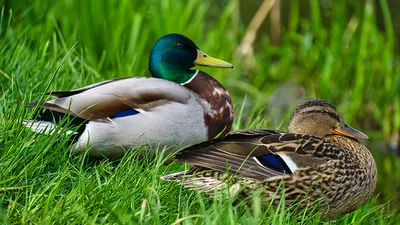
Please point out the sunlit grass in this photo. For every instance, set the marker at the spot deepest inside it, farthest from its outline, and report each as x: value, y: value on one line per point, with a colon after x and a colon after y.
x: 344, y: 58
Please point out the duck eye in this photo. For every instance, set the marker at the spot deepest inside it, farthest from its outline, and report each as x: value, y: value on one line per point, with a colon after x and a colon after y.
x: 179, y: 45
x: 319, y: 111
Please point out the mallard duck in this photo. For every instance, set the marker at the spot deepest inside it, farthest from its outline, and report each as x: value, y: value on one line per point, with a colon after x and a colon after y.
x: 179, y: 106
x: 320, y: 157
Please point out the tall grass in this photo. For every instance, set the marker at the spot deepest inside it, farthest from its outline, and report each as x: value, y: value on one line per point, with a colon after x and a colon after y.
x: 339, y: 54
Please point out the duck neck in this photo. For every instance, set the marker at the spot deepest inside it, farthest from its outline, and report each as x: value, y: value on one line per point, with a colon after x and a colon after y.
x: 172, y: 73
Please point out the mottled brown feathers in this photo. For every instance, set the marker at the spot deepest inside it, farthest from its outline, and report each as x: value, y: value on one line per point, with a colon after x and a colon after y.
x: 219, y: 113
x: 337, y: 169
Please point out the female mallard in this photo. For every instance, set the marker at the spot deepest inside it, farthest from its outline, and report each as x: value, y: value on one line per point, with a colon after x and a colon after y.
x: 179, y: 105
x: 321, y: 156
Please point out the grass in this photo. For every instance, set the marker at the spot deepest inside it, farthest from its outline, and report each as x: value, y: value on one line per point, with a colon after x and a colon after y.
x: 339, y: 54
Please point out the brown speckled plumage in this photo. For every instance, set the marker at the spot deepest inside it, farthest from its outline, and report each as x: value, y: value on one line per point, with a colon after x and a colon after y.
x: 220, y: 116
x: 337, y: 169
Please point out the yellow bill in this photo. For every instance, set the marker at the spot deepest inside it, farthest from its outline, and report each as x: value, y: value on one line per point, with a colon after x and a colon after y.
x: 205, y: 60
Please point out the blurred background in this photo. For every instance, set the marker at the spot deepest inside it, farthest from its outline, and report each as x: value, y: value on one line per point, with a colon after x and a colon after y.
x: 284, y: 51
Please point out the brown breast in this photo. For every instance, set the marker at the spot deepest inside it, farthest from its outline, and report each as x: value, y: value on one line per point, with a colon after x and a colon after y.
x: 216, y: 101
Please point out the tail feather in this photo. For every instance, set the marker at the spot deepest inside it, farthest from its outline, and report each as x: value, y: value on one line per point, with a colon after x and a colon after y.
x: 48, y: 122
x: 206, y: 183
x: 175, y: 176
x: 44, y: 127
x: 32, y: 104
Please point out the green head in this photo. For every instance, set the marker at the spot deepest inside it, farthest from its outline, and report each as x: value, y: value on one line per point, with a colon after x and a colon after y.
x: 173, y: 56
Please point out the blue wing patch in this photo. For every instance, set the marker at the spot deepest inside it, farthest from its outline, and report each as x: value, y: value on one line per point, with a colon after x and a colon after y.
x: 128, y: 112
x: 274, y: 162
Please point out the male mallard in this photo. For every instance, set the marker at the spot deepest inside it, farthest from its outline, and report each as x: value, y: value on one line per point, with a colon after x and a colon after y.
x: 177, y: 105
x: 320, y: 157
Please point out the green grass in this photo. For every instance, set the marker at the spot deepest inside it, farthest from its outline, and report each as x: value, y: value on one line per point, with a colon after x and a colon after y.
x: 338, y: 54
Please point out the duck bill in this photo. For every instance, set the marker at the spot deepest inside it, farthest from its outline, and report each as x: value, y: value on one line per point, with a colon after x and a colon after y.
x: 205, y: 60
x: 348, y: 131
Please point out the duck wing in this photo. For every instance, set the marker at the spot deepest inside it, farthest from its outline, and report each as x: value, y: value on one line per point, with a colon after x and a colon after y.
x: 105, y: 99
x: 258, y: 154
x: 61, y: 94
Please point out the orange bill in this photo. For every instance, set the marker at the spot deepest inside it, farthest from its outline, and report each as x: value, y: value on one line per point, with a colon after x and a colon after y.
x: 346, y: 130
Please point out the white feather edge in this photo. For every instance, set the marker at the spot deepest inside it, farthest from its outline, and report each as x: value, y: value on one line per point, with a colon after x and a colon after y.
x: 44, y: 127
x: 288, y: 161
x: 174, y: 176
x: 195, y: 74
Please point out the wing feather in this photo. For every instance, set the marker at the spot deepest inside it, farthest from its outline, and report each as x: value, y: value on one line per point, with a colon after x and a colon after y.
x: 220, y: 161
x: 235, y: 152
x: 62, y: 94
x: 104, y: 99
